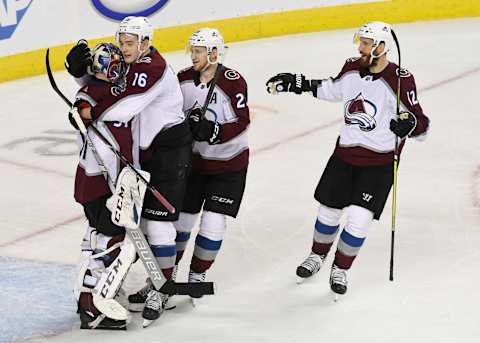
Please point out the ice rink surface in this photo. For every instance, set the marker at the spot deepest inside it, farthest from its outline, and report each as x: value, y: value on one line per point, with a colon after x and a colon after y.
x: 434, y: 297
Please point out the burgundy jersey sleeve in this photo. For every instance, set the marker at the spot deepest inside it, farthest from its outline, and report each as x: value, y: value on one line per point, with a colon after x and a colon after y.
x: 409, y: 98
x: 235, y: 87
x: 143, y: 78
x: 94, y: 92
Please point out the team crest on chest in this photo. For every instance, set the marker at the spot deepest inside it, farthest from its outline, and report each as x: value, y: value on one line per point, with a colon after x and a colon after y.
x: 361, y: 112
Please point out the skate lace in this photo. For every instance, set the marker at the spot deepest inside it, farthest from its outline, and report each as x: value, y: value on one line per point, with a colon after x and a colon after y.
x: 313, y: 262
x: 155, y: 300
x: 145, y: 290
x: 338, y: 276
x: 196, y: 277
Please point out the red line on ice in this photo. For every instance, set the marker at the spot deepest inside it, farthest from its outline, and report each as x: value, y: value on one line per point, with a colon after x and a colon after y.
x: 257, y: 151
x: 42, y: 231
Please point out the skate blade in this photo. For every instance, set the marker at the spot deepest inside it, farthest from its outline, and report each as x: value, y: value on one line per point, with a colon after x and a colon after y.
x: 336, y: 297
x: 147, y: 322
x: 300, y: 280
x: 135, y: 307
x: 170, y: 307
x: 195, y: 301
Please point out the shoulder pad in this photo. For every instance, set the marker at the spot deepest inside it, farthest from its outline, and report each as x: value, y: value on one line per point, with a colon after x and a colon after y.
x: 404, y: 73
x: 231, y: 75
x: 352, y: 59
x: 184, y: 70
x: 145, y: 59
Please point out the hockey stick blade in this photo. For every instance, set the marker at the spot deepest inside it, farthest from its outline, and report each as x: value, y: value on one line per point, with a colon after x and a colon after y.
x: 193, y: 289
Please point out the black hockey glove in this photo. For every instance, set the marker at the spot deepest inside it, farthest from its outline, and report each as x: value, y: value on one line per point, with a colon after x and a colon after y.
x: 78, y: 59
x: 296, y: 83
x: 404, y: 125
x: 204, y: 130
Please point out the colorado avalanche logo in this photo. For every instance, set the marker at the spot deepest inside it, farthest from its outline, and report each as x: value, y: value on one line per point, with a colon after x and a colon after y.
x: 403, y: 72
x: 119, y: 9
x: 232, y: 75
x: 361, y: 112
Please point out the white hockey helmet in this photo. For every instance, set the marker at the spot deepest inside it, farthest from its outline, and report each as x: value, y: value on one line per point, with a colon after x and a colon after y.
x: 210, y: 39
x: 377, y: 31
x: 139, y: 26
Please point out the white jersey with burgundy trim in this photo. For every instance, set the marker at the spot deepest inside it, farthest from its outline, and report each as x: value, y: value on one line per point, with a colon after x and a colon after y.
x: 152, y: 92
x: 229, y: 108
x: 370, y: 102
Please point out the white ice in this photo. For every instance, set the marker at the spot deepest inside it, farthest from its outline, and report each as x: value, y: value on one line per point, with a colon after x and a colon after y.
x: 434, y: 297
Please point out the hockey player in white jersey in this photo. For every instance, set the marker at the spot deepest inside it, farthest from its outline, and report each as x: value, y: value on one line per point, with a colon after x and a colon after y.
x: 220, y: 151
x: 153, y: 96
x: 359, y: 174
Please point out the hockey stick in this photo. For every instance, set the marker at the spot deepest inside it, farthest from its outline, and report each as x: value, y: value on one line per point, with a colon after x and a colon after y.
x: 122, y: 158
x: 218, y: 71
x: 143, y: 249
x: 136, y: 235
x: 395, y: 163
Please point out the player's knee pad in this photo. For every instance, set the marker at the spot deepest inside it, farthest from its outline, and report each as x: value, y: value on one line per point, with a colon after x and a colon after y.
x: 186, y: 222
x: 359, y: 220
x: 213, y: 225
x: 158, y: 233
x: 329, y: 216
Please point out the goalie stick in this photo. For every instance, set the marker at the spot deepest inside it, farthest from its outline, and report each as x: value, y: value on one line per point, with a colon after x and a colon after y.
x: 136, y: 235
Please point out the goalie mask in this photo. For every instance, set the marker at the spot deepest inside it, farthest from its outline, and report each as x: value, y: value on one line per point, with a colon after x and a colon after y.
x: 108, y: 61
x: 210, y: 39
x: 379, y: 32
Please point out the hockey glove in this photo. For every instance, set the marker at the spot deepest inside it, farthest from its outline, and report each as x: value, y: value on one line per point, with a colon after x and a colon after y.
x: 77, y: 107
x: 78, y: 59
x: 204, y: 130
x: 404, y: 125
x: 286, y: 82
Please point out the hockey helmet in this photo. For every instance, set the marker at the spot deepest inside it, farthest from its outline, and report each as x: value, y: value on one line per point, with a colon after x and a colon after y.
x: 108, y: 60
x: 139, y: 26
x: 210, y: 39
x: 377, y: 31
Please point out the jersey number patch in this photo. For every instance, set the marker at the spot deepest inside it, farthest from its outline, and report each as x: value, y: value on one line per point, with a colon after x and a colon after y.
x: 412, y: 98
x: 140, y: 79
x: 240, y: 100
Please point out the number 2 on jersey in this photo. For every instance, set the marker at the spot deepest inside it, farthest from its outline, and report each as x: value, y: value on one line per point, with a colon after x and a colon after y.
x: 240, y: 100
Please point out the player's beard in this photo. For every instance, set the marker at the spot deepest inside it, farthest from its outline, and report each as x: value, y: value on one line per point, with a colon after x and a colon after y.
x: 365, y: 62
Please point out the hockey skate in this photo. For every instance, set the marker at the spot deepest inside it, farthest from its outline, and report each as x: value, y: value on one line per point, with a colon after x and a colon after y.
x: 137, y: 300
x: 91, y: 318
x: 309, y: 267
x: 196, y: 277
x: 154, y: 307
x: 338, y: 281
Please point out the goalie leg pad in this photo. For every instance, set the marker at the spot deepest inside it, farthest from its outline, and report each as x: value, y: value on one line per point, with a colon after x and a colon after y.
x: 111, y: 281
x: 127, y: 201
